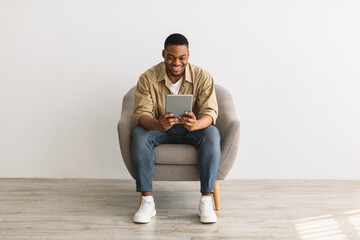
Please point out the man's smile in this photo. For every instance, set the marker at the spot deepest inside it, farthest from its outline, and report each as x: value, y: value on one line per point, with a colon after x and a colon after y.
x: 177, y: 68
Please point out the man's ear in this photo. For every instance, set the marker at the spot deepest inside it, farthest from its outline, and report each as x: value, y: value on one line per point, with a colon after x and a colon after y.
x: 163, y: 53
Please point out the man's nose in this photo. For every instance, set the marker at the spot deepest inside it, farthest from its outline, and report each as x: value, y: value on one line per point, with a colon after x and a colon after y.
x: 177, y: 62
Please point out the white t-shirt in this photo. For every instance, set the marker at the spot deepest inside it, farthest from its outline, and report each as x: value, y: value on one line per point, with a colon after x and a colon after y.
x: 174, y: 88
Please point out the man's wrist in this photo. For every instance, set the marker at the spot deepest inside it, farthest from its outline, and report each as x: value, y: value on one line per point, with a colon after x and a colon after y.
x: 159, y: 126
x: 156, y: 125
x: 150, y: 123
x: 204, y: 121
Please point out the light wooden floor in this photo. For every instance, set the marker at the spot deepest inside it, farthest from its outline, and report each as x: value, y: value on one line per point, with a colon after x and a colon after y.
x: 251, y: 209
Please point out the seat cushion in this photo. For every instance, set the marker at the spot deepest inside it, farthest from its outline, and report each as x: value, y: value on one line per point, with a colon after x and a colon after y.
x: 175, y: 154
x: 176, y: 172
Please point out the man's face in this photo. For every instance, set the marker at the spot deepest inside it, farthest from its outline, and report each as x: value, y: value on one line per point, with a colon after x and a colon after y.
x: 176, y: 58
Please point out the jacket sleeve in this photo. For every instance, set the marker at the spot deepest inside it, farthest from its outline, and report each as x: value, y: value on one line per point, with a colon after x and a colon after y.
x: 207, y: 98
x: 144, y: 104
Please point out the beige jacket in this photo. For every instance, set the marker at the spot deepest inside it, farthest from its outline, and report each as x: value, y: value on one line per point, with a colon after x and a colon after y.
x: 154, y: 85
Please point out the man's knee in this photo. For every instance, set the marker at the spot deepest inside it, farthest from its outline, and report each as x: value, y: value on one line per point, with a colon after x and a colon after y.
x: 139, y: 136
x: 212, y: 134
x: 210, y: 137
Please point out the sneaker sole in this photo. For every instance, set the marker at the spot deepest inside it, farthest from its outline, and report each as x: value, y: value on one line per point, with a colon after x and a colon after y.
x: 202, y: 220
x: 207, y: 220
x: 146, y: 220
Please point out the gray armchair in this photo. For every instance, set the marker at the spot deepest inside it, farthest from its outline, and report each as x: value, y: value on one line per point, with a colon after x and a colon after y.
x: 182, y: 166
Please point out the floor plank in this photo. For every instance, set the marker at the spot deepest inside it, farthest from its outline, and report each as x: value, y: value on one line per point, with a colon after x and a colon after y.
x: 250, y: 209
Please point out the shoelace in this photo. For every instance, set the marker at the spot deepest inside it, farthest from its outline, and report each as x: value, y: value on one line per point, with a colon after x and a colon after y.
x: 205, y: 205
x: 145, y: 203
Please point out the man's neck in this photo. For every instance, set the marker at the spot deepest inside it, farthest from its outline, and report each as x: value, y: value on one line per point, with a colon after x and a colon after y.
x: 172, y: 78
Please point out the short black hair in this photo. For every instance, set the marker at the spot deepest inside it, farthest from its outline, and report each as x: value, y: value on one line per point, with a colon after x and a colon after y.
x: 176, y: 39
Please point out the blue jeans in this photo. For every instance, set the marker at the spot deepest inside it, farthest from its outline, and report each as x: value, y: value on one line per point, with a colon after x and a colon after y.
x: 206, y: 141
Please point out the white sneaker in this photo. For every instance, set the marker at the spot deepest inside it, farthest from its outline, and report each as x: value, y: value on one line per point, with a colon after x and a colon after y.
x: 146, y: 210
x: 206, y: 210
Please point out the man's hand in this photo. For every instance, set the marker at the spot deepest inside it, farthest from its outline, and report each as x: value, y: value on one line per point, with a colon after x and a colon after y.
x: 166, y: 121
x: 190, y: 123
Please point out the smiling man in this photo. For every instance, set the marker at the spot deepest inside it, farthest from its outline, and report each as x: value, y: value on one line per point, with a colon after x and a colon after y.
x: 154, y: 127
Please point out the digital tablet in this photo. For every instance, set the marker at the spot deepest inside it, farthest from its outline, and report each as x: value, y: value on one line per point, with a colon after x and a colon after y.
x: 178, y: 104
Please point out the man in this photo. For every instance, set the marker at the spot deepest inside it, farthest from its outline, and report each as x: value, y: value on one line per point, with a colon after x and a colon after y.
x: 154, y: 127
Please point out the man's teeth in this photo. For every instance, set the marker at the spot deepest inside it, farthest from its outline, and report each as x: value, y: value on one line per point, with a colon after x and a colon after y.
x: 176, y: 68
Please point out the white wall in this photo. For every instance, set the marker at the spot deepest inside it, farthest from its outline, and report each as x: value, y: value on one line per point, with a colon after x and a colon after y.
x: 292, y: 67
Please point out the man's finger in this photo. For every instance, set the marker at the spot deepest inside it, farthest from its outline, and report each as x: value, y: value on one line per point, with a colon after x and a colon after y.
x: 187, y: 124
x: 186, y: 119
x: 167, y: 115
x: 172, y: 120
x: 183, y: 119
x: 187, y: 127
x: 191, y: 114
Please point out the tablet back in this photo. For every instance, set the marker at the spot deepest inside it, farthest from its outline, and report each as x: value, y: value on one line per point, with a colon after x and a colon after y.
x: 178, y: 104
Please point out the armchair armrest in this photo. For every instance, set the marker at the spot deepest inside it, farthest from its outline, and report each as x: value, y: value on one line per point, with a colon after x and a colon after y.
x: 229, y: 128
x: 125, y: 128
x: 230, y: 137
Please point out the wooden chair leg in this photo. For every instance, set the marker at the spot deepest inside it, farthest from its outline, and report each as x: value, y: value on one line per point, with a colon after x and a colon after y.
x: 217, y: 195
x: 140, y: 199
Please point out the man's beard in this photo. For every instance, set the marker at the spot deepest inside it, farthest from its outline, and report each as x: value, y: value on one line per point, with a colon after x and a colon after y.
x: 174, y: 75
x: 179, y: 75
